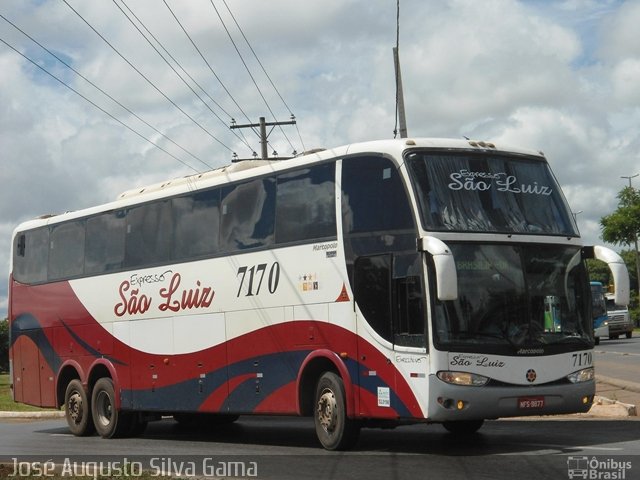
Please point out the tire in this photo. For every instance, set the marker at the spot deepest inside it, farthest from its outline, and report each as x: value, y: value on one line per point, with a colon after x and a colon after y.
x: 77, y: 409
x: 334, y: 429
x: 597, y: 341
x: 463, y: 427
x: 629, y: 334
x: 109, y: 422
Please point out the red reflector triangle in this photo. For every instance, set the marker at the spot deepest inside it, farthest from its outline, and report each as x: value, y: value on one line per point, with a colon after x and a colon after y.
x: 344, y: 296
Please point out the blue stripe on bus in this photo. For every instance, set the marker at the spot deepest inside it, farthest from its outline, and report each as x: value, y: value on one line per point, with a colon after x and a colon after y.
x: 27, y: 325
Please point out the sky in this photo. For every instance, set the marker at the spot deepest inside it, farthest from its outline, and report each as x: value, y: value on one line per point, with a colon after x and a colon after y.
x: 559, y: 76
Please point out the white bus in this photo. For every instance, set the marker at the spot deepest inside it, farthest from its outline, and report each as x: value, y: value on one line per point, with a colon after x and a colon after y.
x: 398, y: 281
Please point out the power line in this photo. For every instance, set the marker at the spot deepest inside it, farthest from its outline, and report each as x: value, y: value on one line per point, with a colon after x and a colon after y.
x: 204, y: 59
x: 254, y: 54
x: 251, y: 75
x: 147, y: 79
x: 97, y: 106
x: 178, y: 64
x: 264, y: 71
x: 98, y: 88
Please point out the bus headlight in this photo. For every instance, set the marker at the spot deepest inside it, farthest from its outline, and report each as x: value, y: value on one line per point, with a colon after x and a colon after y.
x: 462, y: 378
x: 582, y: 375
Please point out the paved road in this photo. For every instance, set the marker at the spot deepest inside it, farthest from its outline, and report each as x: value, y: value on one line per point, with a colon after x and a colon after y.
x: 619, y: 359
x: 286, y: 448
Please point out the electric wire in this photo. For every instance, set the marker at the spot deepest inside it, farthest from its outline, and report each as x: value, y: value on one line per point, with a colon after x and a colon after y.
x: 242, y: 139
x: 205, y: 61
x: 249, y: 72
x: 96, y: 105
x: 149, y: 81
x: 264, y: 70
x: 100, y: 89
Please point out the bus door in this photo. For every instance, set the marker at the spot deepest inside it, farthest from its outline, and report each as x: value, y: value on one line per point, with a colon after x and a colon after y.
x: 394, y: 363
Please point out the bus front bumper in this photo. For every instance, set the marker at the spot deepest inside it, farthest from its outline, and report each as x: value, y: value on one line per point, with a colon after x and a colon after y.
x: 456, y: 402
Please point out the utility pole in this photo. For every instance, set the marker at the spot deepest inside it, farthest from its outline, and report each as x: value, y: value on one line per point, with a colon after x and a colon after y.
x: 399, y: 95
x: 635, y: 239
x: 262, y: 125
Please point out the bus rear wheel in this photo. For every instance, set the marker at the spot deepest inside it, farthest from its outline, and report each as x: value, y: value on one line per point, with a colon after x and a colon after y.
x: 334, y: 429
x: 108, y: 420
x: 77, y: 410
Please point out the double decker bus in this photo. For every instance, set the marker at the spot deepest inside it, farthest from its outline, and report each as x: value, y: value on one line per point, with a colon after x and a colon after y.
x: 380, y: 283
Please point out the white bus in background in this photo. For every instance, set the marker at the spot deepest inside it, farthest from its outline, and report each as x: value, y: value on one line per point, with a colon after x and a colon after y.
x: 375, y: 284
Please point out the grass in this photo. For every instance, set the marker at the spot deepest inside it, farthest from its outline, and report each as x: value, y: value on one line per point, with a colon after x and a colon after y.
x: 6, y: 401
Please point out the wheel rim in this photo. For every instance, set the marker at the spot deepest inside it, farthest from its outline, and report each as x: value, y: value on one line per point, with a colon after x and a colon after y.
x: 327, y: 411
x: 74, y: 407
x: 104, y: 409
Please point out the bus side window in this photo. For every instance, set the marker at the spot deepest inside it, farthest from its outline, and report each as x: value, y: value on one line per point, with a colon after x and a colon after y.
x: 372, y: 279
x: 196, y: 221
x: 30, y: 260
x: 105, y: 242
x: 66, y: 250
x: 388, y: 290
x: 375, y: 196
x: 248, y: 215
x: 305, y: 204
x: 409, y: 321
x: 148, y: 239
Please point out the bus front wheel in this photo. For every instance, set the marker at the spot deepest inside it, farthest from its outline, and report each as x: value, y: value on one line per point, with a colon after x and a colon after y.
x: 109, y: 421
x: 77, y: 410
x: 334, y: 429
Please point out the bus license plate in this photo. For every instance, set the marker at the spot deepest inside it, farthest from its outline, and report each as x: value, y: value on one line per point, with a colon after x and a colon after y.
x: 525, y: 403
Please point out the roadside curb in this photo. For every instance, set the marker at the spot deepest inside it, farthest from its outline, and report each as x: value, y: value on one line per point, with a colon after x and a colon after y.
x: 605, y: 407
x: 623, y: 384
x: 36, y: 415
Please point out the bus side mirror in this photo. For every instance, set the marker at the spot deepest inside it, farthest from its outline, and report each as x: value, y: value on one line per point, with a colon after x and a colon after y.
x: 446, y: 275
x: 618, y: 270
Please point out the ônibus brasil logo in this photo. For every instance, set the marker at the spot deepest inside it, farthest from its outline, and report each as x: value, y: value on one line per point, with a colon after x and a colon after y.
x: 597, y: 468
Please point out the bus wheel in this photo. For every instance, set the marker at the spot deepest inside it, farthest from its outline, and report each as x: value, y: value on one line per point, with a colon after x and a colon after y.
x: 597, y: 340
x: 77, y: 410
x: 463, y: 427
x: 333, y: 428
x: 109, y: 421
x: 629, y: 334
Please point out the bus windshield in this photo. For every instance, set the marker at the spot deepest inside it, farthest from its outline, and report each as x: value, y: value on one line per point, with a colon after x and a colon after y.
x: 515, y: 296
x: 479, y: 192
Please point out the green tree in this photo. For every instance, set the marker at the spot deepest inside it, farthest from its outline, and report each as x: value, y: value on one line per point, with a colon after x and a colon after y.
x: 4, y: 345
x: 622, y: 227
x: 598, y: 271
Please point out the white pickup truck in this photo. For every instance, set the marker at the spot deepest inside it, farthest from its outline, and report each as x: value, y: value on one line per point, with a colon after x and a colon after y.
x: 619, y: 319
